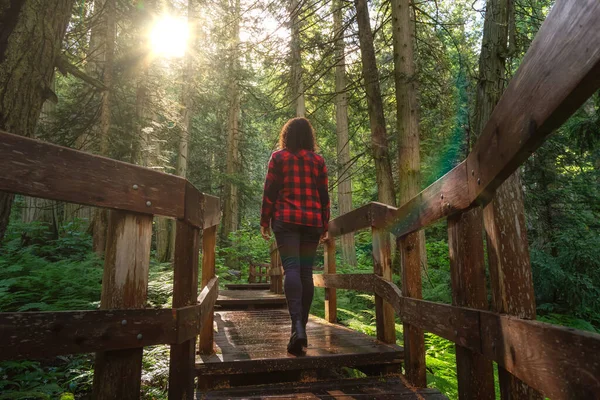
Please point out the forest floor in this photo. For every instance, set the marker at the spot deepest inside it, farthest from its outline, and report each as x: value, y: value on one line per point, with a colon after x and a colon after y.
x: 38, y: 273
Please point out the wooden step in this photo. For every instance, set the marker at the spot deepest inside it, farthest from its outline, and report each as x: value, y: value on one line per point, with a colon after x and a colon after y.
x: 248, y: 286
x: 386, y: 388
x: 249, y: 299
x: 255, y: 341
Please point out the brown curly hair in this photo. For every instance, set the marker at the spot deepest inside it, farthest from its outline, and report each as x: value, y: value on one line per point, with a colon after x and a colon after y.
x: 297, y: 134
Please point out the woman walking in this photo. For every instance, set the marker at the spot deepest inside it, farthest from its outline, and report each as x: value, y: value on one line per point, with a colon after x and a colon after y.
x: 296, y: 205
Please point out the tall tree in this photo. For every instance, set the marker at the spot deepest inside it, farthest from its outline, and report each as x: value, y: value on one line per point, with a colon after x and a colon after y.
x: 341, y: 123
x: 31, y: 33
x: 407, y: 115
x: 379, y: 142
x: 106, y: 49
x: 506, y: 211
x: 232, y: 202
x: 295, y: 10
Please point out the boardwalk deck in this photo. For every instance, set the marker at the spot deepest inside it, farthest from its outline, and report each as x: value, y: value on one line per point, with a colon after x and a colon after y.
x: 255, y: 341
x: 366, y: 388
x: 248, y: 286
x: 249, y: 299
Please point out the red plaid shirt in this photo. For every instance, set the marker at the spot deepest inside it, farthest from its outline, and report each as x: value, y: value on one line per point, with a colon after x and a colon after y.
x: 296, y: 190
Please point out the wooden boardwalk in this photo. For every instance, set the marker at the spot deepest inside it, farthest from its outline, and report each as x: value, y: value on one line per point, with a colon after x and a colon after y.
x: 249, y: 299
x: 248, y: 286
x: 255, y: 341
x: 388, y: 388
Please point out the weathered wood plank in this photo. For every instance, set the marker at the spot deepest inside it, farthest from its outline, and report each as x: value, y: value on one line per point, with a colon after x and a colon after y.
x: 185, y: 290
x: 457, y: 324
x: 562, y: 363
x: 207, y: 300
x: 467, y: 268
x: 330, y: 293
x: 511, y: 278
x: 209, y: 242
x: 445, y: 196
x: 36, y: 335
x: 559, y: 72
x: 414, y: 339
x: 276, y: 270
x: 117, y: 373
x: 360, y: 282
x: 38, y: 169
x: 359, y: 218
x: 195, y: 202
x: 385, y: 318
x: 212, y: 211
x: 347, y: 389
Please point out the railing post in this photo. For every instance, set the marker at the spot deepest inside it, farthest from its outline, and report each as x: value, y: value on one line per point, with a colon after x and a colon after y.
x: 330, y: 294
x: 209, y: 242
x: 117, y: 374
x: 467, y: 268
x: 276, y: 270
x: 510, y: 270
x: 185, y: 293
x: 414, y: 340
x: 382, y: 266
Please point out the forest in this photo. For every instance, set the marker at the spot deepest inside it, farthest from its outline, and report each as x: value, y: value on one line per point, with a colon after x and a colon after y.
x: 398, y: 92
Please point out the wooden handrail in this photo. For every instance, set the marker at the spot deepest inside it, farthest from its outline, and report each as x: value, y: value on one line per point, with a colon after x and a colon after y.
x: 39, y: 169
x: 559, y: 362
x: 37, y: 335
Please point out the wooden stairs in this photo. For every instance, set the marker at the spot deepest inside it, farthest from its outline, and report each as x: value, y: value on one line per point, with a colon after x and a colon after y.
x: 250, y: 360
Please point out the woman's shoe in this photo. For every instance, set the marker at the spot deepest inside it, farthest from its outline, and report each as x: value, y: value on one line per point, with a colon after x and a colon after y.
x: 298, y: 343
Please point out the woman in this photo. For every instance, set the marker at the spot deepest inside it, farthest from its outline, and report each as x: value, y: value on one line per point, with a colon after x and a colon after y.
x: 296, y: 205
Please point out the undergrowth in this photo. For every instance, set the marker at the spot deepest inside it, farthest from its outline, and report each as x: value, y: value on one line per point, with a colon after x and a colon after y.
x: 41, y: 273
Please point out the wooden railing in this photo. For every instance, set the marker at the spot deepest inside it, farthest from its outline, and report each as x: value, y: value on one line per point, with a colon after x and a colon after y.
x: 122, y: 327
x: 559, y: 72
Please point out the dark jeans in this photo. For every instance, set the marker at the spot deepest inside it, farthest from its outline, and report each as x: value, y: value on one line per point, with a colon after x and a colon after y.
x: 297, y: 246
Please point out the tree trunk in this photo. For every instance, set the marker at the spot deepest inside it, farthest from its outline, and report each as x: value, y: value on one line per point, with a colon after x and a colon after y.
x: 506, y: 212
x: 107, y: 55
x: 31, y: 33
x: 407, y: 115
x: 385, y: 181
x: 296, y: 59
x: 343, y: 141
x: 231, y: 203
x: 36, y: 209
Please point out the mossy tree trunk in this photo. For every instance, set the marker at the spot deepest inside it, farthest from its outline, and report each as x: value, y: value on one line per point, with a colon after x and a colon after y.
x: 31, y: 33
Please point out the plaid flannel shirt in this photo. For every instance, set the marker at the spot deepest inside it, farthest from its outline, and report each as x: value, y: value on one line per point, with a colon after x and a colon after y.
x: 296, y: 190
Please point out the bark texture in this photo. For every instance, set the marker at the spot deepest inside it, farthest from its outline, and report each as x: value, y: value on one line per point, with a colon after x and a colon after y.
x: 232, y: 203
x: 407, y: 110
x: 504, y: 217
x: 379, y: 142
x: 31, y: 33
x: 296, y: 59
x: 107, y: 50
x: 343, y: 141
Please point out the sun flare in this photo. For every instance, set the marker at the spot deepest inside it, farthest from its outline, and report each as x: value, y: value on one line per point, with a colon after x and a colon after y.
x: 169, y: 36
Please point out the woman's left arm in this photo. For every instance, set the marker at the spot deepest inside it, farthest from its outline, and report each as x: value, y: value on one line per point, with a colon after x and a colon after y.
x: 323, y: 185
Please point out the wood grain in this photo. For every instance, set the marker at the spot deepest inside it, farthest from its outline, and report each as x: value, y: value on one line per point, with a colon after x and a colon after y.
x: 117, y: 374
x: 330, y: 293
x: 385, y: 318
x: 38, y: 169
x: 185, y: 291
x: 37, y: 335
x: 209, y: 242
x: 467, y: 269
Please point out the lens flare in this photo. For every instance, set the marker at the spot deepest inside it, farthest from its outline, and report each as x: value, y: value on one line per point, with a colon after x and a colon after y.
x: 169, y: 36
